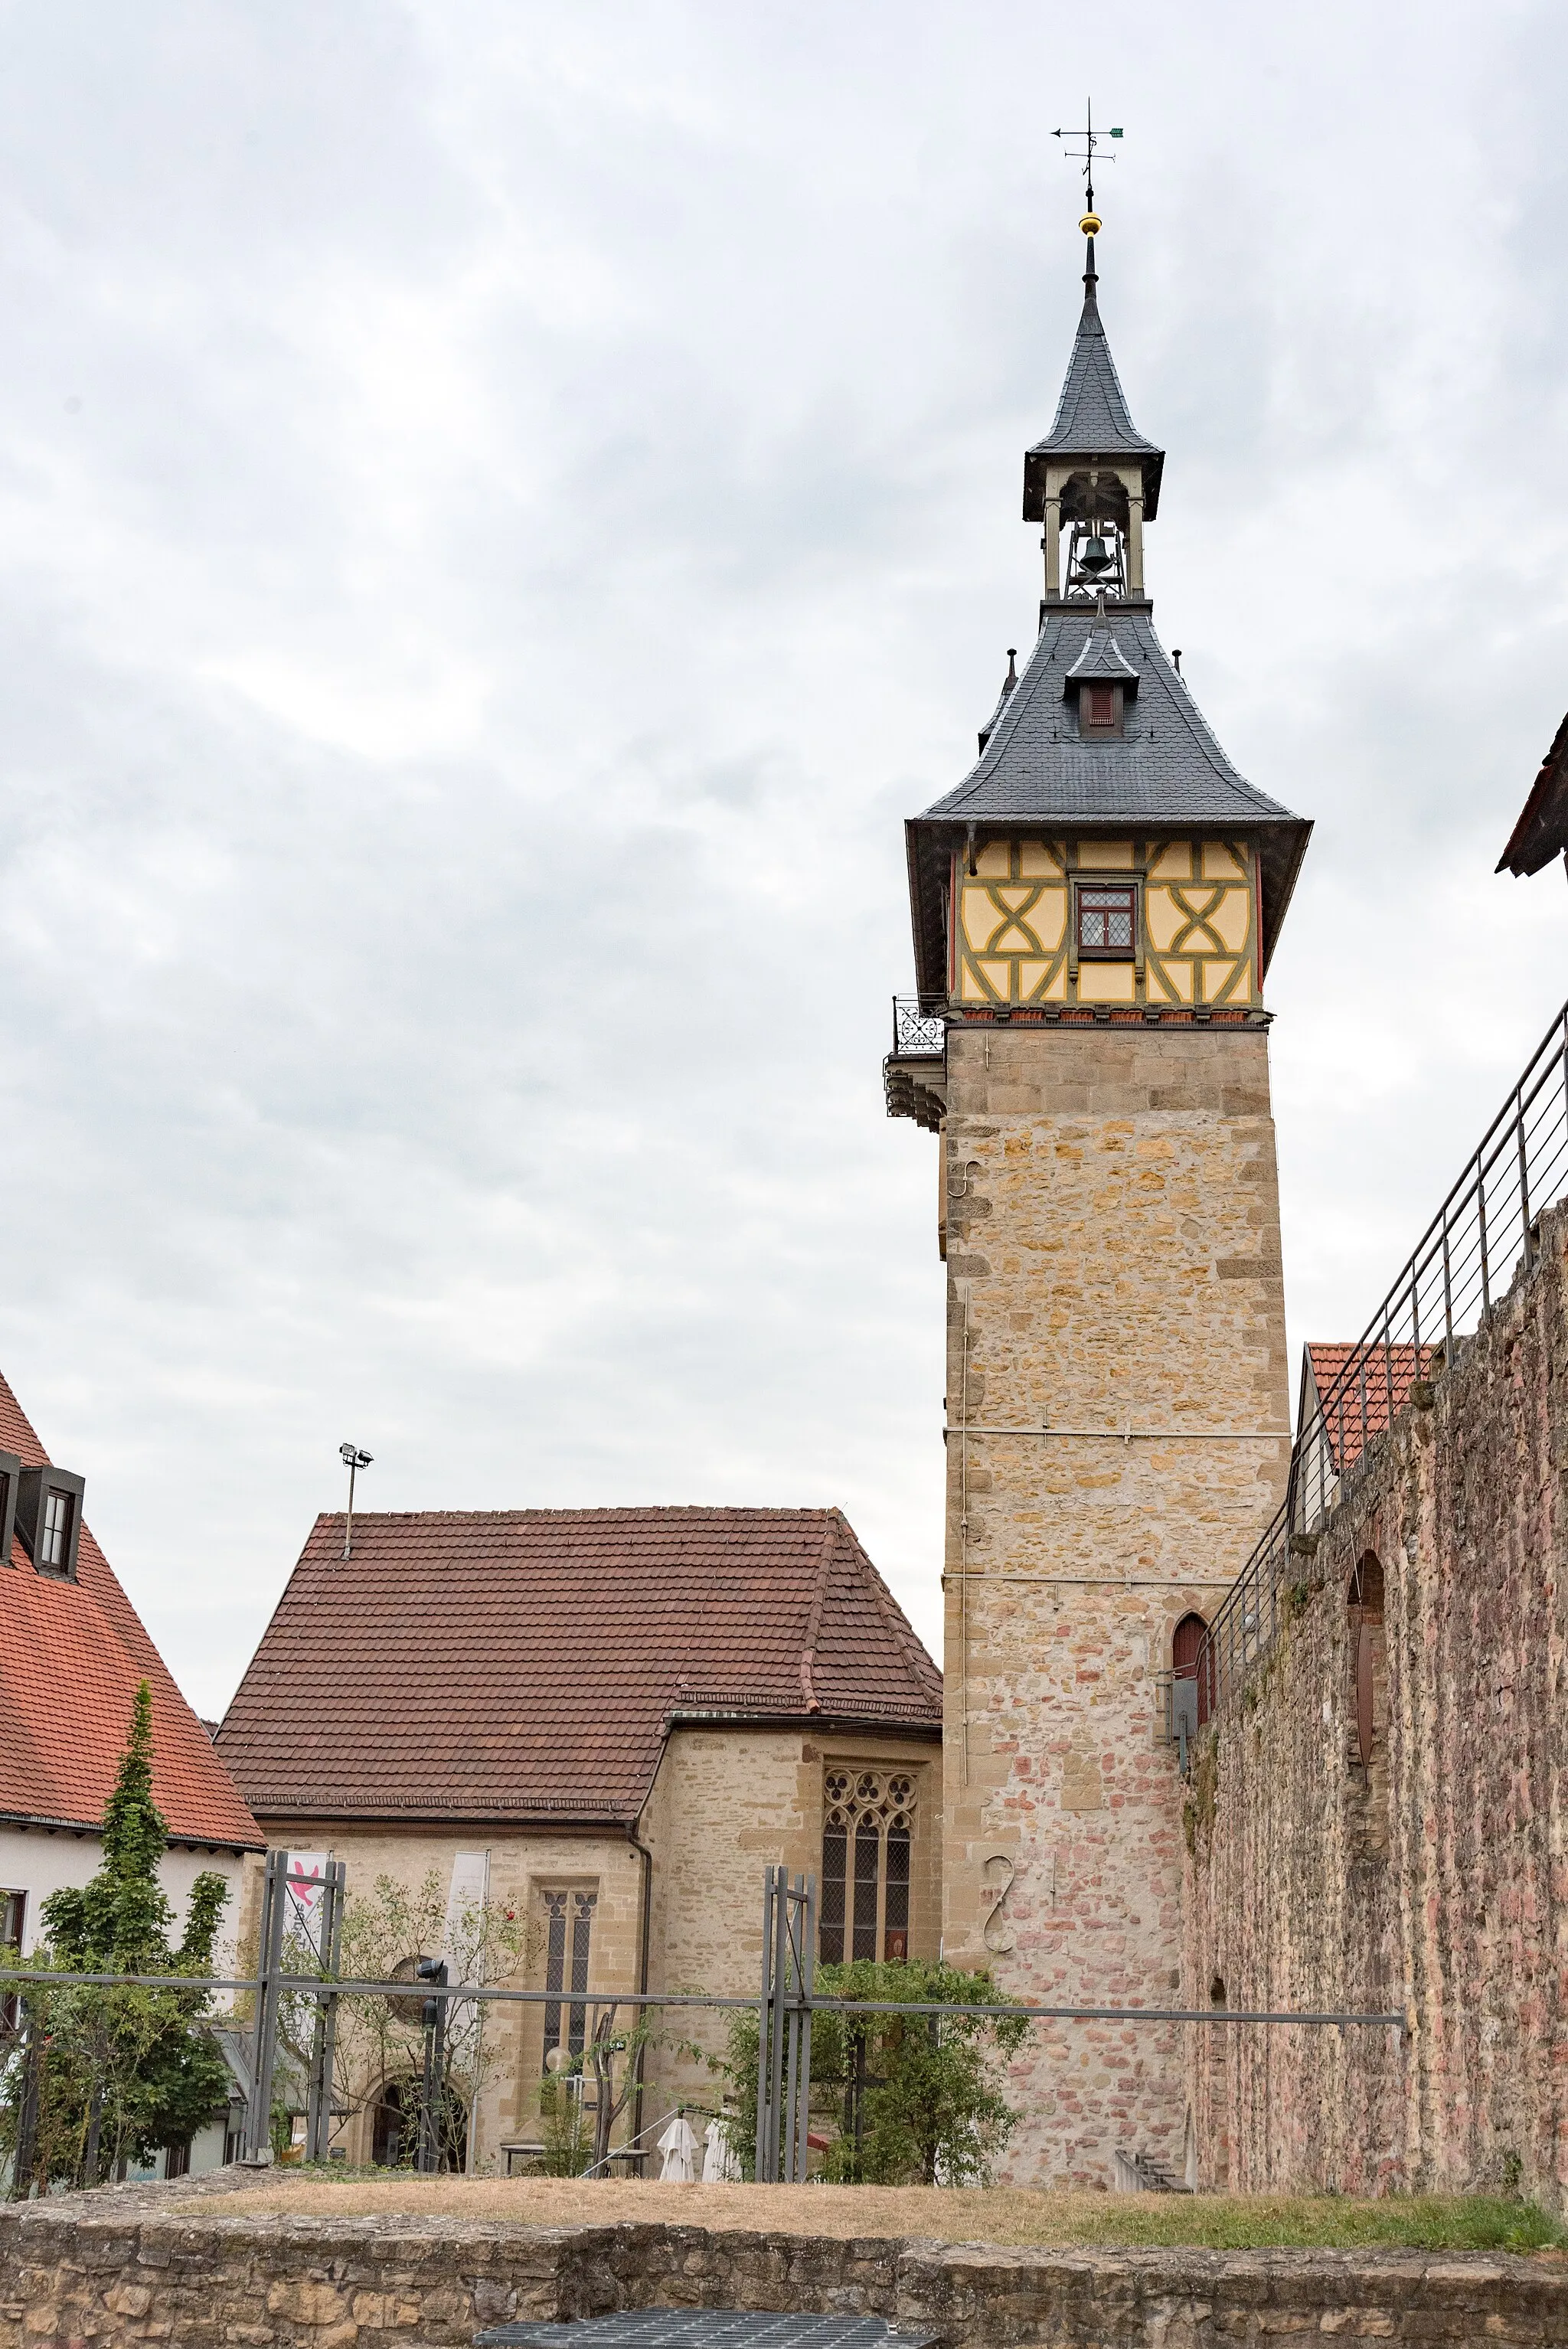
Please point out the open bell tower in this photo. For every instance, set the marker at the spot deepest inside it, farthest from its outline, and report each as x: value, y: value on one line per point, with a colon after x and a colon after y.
x: 1094, y: 909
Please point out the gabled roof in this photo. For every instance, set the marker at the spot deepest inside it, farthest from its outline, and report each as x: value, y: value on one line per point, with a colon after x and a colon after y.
x: 71, y: 1656
x: 1541, y: 831
x: 1166, y: 771
x: 524, y: 1664
x: 1092, y: 418
x: 1354, y: 1386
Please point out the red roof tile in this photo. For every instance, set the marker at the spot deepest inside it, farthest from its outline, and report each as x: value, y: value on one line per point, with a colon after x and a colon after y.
x: 524, y: 1663
x: 71, y: 1655
x: 1352, y: 1386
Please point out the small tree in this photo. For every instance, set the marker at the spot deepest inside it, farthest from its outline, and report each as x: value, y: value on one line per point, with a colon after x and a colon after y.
x: 120, y: 2072
x: 913, y: 2098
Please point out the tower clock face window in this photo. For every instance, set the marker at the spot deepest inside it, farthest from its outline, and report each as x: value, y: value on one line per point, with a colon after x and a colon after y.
x: 1106, y: 919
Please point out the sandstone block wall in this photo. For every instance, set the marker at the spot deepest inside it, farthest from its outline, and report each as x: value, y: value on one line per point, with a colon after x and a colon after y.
x: 1431, y: 1877
x: 73, y: 2272
x: 1113, y: 1264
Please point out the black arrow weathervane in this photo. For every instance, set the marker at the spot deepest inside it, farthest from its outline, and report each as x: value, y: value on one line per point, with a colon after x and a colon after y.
x: 1091, y: 138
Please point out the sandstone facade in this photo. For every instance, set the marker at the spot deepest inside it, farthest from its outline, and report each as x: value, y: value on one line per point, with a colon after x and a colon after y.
x: 1428, y: 1877
x: 727, y: 1802
x: 1113, y: 1241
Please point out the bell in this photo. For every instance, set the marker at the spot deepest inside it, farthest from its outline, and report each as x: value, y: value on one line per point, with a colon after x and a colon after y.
x: 1095, y: 557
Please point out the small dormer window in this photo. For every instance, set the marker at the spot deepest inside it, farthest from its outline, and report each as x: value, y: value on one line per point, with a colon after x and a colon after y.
x: 54, y: 1534
x: 1100, y: 712
x: 1106, y: 923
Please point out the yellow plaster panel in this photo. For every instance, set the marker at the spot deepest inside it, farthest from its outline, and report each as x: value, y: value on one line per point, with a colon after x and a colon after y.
x: 1222, y: 863
x: 1163, y: 916
x: 1037, y: 860
x: 979, y: 915
x: 1173, y: 862
x: 1177, y: 975
x: 1029, y: 977
x: 1230, y: 917
x: 1215, y: 975
x: 1105, y: 855
x: 993, y: 861
x: 1056, y: 992
x: 971, y: 988
x: 1000, y: 975
x: 1049, y: 919
x: 1106, y: 982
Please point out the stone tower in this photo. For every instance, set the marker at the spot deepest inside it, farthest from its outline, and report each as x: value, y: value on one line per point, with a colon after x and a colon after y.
x: 1094, y: 907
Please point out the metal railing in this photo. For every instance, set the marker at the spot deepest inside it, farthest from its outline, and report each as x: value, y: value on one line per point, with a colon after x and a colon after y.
x: 1481, y: 1238
x: 917, y: 1035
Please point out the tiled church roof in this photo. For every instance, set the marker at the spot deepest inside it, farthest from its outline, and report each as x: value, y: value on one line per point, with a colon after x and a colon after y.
x: 71, y: 1655
x: 1358, y: 1410
x: 525, y: 1663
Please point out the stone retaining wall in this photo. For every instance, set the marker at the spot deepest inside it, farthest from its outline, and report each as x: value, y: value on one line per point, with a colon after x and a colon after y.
x: 116, y: 2268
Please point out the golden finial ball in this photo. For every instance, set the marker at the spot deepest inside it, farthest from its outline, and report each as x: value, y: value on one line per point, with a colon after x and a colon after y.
x: 1090, y: 224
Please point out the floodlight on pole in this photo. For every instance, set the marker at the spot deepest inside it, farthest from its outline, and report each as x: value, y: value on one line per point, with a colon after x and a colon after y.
x: 354, y: 1460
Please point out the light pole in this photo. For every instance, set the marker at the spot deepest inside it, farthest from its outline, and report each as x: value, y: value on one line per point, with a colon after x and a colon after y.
x: 354, y: 1460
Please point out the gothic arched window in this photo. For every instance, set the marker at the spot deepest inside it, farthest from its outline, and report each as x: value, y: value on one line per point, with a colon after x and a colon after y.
x: 868, y: 1833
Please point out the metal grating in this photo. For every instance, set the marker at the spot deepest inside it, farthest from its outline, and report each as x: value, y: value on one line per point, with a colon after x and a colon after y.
x: 707, y: 2328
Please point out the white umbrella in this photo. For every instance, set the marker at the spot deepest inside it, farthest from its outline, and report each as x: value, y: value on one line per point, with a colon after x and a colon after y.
x: 719, y: 2165
x: 679, y: 2146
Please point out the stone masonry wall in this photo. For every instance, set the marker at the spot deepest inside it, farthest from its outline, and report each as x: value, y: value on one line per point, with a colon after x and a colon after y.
x: 1113, y: 1264
x: 112, y: 2271
x: 1432, y: 1881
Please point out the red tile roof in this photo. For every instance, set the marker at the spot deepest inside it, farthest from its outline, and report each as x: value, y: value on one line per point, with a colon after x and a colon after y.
x: 524, y: 1663
x: 71, y: 1655
x: 1357, y: 1409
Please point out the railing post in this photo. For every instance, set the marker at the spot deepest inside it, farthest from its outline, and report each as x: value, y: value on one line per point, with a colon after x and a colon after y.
x: 1525, y: 1184
x: 1480, y: 1222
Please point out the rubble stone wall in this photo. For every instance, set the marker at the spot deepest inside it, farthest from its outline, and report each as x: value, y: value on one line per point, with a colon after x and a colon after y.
x: 1431, y: 1879
x: 74, y: 2272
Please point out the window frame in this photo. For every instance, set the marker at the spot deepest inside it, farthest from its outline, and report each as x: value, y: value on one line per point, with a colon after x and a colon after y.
x: 1115, y: 884
x: 885, y: 1920
x: 34, y: 1489
x: 570, y: 1964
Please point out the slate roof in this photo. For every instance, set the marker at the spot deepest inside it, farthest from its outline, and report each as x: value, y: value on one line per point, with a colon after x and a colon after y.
x: 1167, y: 772
x: 1102, y: 658
x: 1541, y: 831
x: 1358, y: 1410
x: 71, y: 1655
x: 1092, y: 417
x: 523, y: 1664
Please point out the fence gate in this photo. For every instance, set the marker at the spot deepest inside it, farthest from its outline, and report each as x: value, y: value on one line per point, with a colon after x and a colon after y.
x: 784, y: 2036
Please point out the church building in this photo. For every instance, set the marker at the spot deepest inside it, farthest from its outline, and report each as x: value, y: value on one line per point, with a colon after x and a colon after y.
x: 1095, y: 907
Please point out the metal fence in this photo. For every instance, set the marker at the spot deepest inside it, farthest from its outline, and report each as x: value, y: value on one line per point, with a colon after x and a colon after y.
x: 1482, y: 1236
x: 917, y: 1035
x: 788, y: 2003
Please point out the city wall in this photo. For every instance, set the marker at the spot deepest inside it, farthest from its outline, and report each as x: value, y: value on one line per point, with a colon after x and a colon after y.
x: 1428, y: 1877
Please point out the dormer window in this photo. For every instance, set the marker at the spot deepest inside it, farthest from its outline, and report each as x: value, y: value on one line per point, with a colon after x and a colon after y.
x: 1100, y: 712
x: 49, y: 1519
x: 1106, y: 922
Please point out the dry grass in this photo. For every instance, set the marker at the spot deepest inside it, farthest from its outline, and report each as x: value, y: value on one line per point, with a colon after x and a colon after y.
x: 955, y: 2215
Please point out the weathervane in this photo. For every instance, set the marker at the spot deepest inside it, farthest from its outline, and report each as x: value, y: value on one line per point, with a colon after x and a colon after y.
x: 1091, y: 138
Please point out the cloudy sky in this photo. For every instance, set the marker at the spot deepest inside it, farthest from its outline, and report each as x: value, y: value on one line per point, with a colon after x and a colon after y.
x: 503, y: 509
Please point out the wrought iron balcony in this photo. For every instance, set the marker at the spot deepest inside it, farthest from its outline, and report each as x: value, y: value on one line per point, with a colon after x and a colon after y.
x: 914, y: 1072
x: 917, y: 1035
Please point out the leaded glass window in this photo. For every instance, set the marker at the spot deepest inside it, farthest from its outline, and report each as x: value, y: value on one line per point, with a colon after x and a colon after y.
x: 868, y: 1833
x: 568, y: 1927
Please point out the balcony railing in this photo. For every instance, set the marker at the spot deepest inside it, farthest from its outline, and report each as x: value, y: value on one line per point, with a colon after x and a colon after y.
x: 917, y: 1035
x: 1484, y: 1231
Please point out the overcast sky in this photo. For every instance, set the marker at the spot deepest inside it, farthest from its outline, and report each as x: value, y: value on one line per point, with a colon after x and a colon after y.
x: 503, y: 511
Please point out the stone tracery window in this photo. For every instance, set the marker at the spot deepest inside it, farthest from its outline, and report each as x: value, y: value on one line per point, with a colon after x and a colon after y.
x: 568, y: 1930
x: 868, y: 1835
